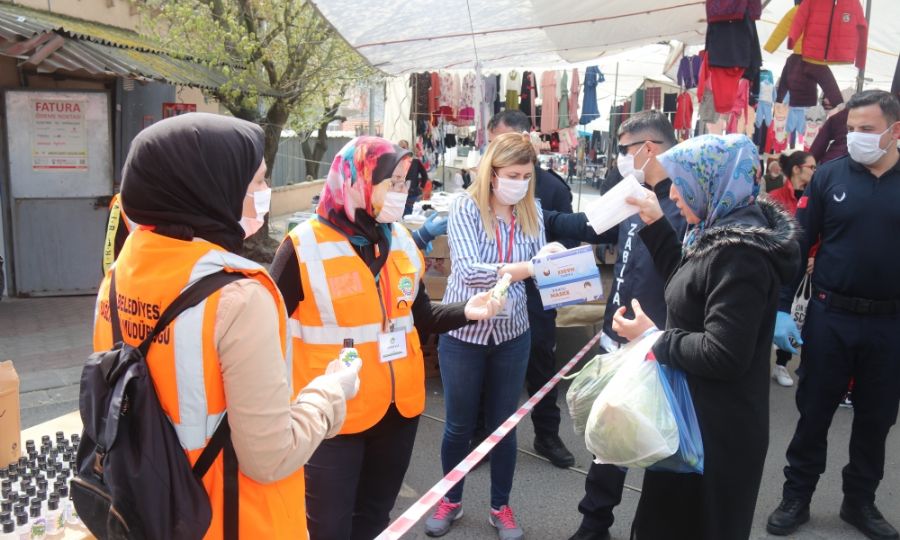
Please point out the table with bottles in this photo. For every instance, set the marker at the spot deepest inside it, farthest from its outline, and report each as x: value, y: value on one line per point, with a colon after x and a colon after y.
x: 34, y: 502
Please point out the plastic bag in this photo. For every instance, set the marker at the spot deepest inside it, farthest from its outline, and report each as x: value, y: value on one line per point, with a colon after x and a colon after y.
x: 588, y: 384
x: 631, y: 422
x: 689, y: 457
x: 801, y: 300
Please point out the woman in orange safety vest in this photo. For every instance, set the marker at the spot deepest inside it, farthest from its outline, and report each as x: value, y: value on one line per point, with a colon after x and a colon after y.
x: 352, y: 272
x: 195, y: 186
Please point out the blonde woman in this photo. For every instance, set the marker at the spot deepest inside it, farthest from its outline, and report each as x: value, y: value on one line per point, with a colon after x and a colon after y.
x: 495, y: 228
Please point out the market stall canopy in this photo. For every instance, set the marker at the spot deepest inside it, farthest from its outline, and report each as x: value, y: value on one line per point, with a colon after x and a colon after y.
x: 49, y: 43
x: 398, y: 36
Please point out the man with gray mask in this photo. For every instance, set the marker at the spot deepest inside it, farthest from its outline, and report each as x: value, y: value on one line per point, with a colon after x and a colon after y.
x: 852, y: 325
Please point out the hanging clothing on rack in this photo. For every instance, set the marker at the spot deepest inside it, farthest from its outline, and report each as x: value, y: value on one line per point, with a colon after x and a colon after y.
x: 513, y: 89
x: 689, y: 71
x: 739, y: 108
x: 420, y: 84
x: 800, y: 78
x: 684, y: 112
x: 652, y: 98
x: 766, y: 98
x: 434, y: 93
x: 467, y: 99
x: 589, y: 110
x: 563, y: 101
x: 549, y: 104
x: 527, y: 97
x: 456, y: 97
x: 670, y: 105
x: 445, y: 98
x: 574, y: 90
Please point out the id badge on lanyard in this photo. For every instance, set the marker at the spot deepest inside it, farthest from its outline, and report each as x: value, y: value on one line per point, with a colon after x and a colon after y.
x: 506, y: 313
x: 391, y: 341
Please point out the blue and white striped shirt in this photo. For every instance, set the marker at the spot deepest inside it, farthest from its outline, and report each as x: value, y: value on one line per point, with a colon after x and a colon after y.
x: 476, y: 258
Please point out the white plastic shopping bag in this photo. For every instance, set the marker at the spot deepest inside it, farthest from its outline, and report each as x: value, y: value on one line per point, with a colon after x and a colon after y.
x: 801, y: 300
x: 588, y: 384
x: 593, y: 378
x: 611, y: 209
x: 631, y: 422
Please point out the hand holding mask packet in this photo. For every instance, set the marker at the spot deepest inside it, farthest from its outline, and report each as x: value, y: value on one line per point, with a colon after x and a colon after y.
x: 611, y: 209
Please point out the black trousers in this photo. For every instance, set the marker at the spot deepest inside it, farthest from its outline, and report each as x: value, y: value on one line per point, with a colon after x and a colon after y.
x: 542, y: 363
x: 602, y: 492
x: 782, y: 357
x: 352, y: 481
x: 838, y: 345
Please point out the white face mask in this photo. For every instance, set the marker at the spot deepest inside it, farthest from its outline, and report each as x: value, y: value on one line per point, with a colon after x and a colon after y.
x: 626, y: 165
x: 865, y: 148
x: 510, y: 191
x: 262, y: 199
x: 392, y: 209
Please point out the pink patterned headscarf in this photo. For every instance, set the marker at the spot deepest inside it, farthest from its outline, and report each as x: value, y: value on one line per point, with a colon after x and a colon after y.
x: 361, y: 164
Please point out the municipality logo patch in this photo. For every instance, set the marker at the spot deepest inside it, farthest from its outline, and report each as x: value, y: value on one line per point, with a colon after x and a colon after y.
x: 406, y: 286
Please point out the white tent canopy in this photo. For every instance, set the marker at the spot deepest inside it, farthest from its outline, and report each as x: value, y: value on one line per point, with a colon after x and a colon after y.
x: 399, y: 37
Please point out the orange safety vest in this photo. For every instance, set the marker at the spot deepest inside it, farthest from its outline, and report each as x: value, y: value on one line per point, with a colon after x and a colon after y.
x: 342, y: 299
x: 184, y: 363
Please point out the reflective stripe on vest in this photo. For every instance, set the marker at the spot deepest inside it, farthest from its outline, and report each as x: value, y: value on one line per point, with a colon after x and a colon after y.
x: 312, y: 253
x: 323, y: 335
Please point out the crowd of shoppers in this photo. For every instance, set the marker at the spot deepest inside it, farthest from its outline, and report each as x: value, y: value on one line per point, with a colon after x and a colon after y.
x: 707, y: 261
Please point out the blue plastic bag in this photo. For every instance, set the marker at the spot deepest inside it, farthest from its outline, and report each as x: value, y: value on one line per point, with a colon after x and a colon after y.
x: 689, y: 457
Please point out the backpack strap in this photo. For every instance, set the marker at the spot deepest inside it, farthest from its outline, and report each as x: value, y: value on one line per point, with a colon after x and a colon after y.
x: 221, y: 442
x: 221, y: 439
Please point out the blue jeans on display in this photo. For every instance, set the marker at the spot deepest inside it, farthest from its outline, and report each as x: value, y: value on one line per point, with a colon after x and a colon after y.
x: 466, y: 368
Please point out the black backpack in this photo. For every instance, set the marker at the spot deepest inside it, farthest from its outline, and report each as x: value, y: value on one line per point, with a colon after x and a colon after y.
x: 133, y: 479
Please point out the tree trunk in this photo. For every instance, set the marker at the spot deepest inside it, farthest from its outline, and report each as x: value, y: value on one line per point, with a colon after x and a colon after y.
x: 261, y: 246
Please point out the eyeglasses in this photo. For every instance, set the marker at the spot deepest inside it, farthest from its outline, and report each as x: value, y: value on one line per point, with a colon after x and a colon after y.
x: 623, y: 148
x: 810, y: 167
x: 398, y: 184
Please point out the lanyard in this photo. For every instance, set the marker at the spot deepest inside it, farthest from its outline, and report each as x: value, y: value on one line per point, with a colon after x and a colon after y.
x: 381, y: 297
x: 509, y: 249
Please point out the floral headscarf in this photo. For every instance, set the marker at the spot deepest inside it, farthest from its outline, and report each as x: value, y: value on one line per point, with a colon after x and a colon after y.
x: 715, y: 175
x: 346, y: 200
x: 361, y: 164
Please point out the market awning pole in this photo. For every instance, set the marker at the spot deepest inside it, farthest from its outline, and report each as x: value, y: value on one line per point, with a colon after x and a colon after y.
x: 372, y: 110
x: 861, y: 79
x: 612, y: 114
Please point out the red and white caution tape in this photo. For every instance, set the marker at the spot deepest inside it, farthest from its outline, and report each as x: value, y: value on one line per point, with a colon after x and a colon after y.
x: 414, y: 513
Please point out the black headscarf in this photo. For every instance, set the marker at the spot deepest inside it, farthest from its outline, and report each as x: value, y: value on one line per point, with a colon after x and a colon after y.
x: 188, y: 176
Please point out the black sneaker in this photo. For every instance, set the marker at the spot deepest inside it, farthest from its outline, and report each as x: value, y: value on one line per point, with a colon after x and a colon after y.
x: 587, y: 534
x: 868, y: 520
x: 552, y: 448
x: 789, y: 515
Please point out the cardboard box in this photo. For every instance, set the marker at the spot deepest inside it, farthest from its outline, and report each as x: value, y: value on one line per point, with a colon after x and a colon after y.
x: 10, y: 424
x: 440, y: 248
x: 568, y: 277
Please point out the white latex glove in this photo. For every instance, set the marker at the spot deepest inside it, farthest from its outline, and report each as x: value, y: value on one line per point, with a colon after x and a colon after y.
x: 552, y: 247
x: 483, y: 306
x: 346, y: 376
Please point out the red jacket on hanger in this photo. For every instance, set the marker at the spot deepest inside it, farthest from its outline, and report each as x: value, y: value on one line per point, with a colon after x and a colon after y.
x: 832, y: 30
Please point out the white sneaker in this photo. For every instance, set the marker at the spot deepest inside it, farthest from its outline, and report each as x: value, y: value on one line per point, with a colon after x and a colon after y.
x: 782, y: 377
